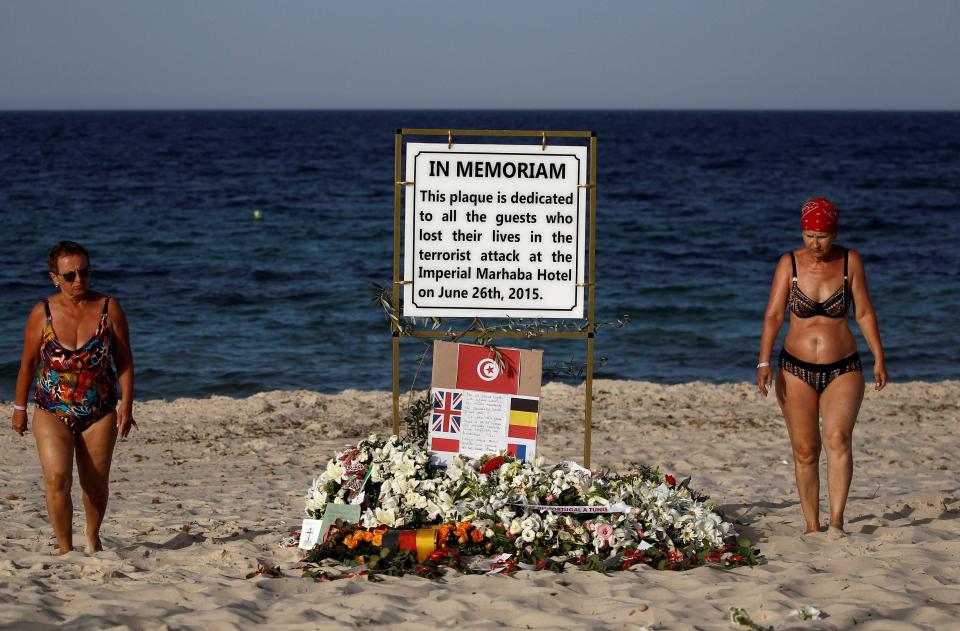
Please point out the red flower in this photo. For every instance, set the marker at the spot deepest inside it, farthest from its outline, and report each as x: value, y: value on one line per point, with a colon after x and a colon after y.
x: 672, y: 481
x: 492, y: 464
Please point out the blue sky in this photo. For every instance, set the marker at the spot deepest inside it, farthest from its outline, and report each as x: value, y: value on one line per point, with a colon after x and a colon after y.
x: 700, y: 54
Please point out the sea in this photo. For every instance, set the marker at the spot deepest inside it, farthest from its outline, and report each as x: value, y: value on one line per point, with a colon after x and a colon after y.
x: 694, y: 209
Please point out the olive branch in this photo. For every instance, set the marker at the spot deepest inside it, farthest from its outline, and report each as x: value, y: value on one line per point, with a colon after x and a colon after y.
x: 482, y: 335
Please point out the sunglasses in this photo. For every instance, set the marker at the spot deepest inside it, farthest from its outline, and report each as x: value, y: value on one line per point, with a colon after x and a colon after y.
x: 72, y: 276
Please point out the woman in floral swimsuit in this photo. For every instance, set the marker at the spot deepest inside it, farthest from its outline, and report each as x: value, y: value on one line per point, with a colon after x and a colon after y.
x: 77, y: 409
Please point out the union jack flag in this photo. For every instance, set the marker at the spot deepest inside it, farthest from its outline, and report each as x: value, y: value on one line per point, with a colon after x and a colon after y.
x: 447, y: 410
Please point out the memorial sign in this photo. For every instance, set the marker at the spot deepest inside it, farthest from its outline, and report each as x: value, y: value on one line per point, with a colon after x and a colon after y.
x: 494, y: 230
x: 481, y: 407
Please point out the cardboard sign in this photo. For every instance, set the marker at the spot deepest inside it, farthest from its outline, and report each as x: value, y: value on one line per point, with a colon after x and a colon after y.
x: 480, y: 410
x: 494, y: 230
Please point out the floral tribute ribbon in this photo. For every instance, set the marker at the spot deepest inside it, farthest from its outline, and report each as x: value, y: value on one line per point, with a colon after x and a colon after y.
x: 355, y: 473
x: 423, y: 541
x: 619, y: 507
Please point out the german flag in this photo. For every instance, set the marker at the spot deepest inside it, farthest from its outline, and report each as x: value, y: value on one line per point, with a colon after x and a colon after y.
x: 523, y: 418
x: 423, y: 541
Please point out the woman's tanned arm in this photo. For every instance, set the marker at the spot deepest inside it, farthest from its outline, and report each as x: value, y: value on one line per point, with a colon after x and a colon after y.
x: 772, y: 321
x: 123, y: 358
x: 29, y: 359
x: 867, y: 318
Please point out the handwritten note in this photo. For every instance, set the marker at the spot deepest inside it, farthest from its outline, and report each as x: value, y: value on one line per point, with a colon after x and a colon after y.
x: 484, y: 423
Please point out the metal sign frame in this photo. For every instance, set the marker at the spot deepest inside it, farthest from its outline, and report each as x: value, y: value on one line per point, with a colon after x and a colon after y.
x: 587, y: 334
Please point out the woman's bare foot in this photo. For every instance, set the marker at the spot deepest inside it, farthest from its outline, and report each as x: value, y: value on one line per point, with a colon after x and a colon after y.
x: 62, y: 551
x: 836, y: 534
x: 812, y: 528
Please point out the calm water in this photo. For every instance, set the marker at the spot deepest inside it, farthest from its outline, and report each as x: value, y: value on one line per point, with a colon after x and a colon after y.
x: 694, y: 210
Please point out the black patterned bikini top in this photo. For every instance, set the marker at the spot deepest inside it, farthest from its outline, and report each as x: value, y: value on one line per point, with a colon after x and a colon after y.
x: 835, y: 306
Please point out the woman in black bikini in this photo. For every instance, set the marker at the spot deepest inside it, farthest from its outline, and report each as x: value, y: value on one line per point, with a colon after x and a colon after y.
x: 820, y: 373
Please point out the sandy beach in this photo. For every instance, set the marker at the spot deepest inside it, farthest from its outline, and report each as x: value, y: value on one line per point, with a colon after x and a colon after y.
x: 209, y: 487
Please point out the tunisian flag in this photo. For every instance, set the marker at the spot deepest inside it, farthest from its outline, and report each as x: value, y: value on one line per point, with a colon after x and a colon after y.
x: 477, y: 369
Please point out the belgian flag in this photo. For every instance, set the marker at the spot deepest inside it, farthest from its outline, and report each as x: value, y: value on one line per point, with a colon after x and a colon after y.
x: 523, y: 418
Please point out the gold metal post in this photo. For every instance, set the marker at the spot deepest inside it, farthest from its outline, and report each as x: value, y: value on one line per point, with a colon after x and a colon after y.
x: 397, y: 188
x: 591, y: 324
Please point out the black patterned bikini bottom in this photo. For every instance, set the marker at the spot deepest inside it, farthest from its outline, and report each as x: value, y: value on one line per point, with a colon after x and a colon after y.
x: 818, y: 376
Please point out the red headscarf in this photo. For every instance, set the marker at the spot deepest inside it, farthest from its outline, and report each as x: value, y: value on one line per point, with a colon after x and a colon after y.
x: 819, y: 215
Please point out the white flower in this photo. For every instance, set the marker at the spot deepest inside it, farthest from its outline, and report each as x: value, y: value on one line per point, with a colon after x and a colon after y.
x: 335, y: 471
x: 807, y: 612
x: 406, y: 467
x: 386, y: 517
x: 528, y: 535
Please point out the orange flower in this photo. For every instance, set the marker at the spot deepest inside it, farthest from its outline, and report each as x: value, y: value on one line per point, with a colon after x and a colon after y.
x: 445, y: 530
x: 476, y: 535
x: 366, y: 536
x: 360, y: 559
x: 377, y: 538
x: 350, y: 542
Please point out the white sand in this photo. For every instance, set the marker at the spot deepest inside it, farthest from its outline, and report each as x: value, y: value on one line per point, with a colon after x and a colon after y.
x: 208, y: 487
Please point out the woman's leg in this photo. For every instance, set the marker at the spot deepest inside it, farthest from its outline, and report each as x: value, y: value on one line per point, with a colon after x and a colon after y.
x: 55, y: 445
x: 94, y: 455
x: 840, y: 404
x: 799, y: 404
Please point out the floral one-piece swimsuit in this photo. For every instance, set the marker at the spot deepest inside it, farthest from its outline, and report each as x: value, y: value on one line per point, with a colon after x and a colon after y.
x: 79, y: 386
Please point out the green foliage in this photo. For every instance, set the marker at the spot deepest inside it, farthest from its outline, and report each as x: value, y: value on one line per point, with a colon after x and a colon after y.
x: 415, y: 419
x: 740, y: 617
x: 483, y: 335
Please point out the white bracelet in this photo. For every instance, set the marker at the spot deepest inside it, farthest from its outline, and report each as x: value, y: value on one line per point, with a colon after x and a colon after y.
x: 22, y: 408
x: 763, y: 365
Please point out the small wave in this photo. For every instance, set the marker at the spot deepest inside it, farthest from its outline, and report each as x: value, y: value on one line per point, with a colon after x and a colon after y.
x: 724, y: 165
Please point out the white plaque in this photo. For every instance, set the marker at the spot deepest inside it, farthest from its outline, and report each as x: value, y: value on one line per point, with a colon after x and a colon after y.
x: 494, y: 230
